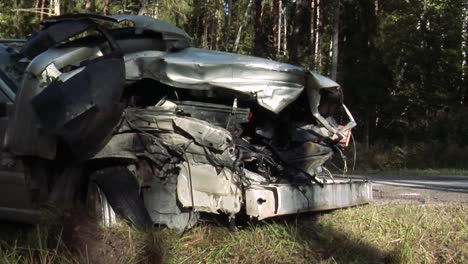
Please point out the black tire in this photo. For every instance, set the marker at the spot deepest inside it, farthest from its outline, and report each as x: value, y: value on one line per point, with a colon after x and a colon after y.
x: 122, y: 191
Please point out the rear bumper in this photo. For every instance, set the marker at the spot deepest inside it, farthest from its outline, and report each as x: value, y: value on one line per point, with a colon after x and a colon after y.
x: 264, y: 201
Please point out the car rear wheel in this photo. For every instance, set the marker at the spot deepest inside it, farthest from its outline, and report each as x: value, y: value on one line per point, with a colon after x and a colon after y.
x: 120, y: 189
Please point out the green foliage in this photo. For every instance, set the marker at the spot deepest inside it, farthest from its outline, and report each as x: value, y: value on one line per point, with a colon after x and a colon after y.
x: 400, y: 63
x: 16, y: 24
x: 434, y: 155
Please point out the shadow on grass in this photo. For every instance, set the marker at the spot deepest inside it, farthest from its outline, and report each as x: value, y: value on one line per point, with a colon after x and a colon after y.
x: 315, y: 240
x: 323, y: 242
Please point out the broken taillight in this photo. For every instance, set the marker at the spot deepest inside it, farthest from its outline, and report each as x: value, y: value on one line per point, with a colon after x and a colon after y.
x: 346, y: 137
x: 249, y: 118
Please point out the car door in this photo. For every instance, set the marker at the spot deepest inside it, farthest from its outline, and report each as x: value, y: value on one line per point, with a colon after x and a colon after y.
x: 15, y: 197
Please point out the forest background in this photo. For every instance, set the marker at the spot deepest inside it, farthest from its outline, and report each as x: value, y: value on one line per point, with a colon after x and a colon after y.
x: 403, y: 64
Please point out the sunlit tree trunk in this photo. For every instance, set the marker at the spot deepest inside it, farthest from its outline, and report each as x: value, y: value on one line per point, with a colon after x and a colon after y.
x: 42, y: 9
x: 278, y: 26
x: 318, y: 35
x: 242, y: 24
x: 57, y: 7
x: 143, y: 10
x: 313, y: 29
x: 88, y: 6
x: 105, y: 10
x: 36, y: 6
x: 285, y: 30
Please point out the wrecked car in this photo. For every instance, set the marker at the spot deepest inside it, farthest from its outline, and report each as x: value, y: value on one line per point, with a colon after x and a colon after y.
x: 122, y: 111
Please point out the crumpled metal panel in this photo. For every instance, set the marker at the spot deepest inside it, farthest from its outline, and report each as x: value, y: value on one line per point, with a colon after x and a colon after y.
x: 307, y: 156
x: 204, y: 133
x: 161, y: 201
x: 264, y: 201
x: 212, y: 191
x: 120, y: 146
x: 274, y: 85
x: 26, y: 135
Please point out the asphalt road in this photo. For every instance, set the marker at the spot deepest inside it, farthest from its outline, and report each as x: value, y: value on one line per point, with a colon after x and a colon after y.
x: 419, y: 188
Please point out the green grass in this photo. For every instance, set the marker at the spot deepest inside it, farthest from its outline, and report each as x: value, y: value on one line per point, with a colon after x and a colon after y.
x: 375, y: 233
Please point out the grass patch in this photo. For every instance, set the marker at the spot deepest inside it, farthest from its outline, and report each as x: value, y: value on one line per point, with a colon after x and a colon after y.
x: 375, y: 233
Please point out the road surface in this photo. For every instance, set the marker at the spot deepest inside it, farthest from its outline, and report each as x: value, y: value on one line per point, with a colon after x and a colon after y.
x: 419, y: 188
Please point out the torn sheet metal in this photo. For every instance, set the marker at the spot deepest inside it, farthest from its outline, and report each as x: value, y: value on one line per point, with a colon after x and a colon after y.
x: 307, y: 156
x: 264, y: 201
x: 212, y: 191
x: 62, y: 98
x: 163, y: 207
x: 204, y: 133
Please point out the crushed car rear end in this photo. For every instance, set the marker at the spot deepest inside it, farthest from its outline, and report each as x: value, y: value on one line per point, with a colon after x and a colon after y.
x: 178, y: 130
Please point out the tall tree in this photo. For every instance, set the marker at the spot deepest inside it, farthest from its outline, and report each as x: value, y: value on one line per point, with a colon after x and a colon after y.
x: 105, y: 10
x: 335, y: 40
x: 295, y: 34
x: 318, y: 35
x: 259, y: 41
x: 313, y: 29
x: 241, y: 26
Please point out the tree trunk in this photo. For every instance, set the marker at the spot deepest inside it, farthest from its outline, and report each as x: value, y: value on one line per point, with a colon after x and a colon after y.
x: 215, y: 25
x: 205, y: 9
x: 42, y: 9
x: 229, y: 14
x: 242, y: 24
x: 88, y: 6
x: 143, y: 10
x: 37, y: 4
x: 297, y: 25
x: 205, y: 32
x: 279, y: 28
x: 285, y: 32
x: 227, y: 32
x: 56, y: 4
x: 313, y: 29
x: 335, y: 39
x: 219, y: 25
x: 318, y: 37
x: 464, y: 51
x: 105, y: 10
x: 156, y: 9
x: 259, y: 39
